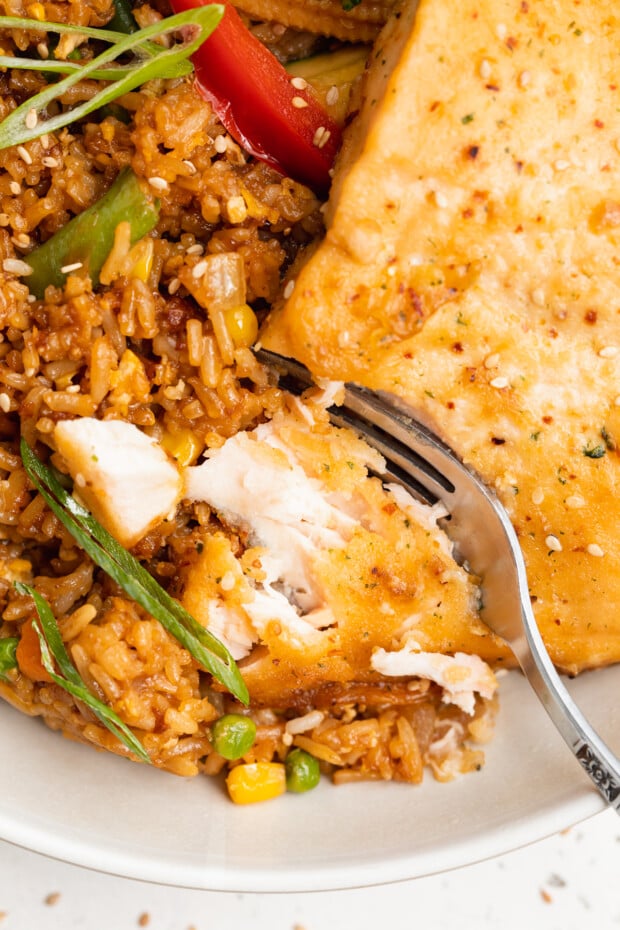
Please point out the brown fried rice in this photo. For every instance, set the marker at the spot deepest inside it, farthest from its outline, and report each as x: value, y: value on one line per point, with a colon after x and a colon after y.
x: 147, y: 347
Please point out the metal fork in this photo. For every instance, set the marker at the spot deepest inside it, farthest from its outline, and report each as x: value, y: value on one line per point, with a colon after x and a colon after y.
x: 484, y: 540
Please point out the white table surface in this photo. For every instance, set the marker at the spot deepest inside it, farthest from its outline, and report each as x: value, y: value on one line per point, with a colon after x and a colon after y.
x: 566, y: 882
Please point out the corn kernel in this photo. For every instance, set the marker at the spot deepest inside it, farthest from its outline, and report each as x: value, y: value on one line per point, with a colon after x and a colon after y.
x: 108, y: 130
x: 184, y: 446
x: 141, y: 259
x: 36, y: 11
x: 256, y: 781
x: 242, y: 325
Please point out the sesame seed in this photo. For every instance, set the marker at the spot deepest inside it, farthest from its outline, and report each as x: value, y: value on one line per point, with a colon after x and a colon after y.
x: 80, y: 480
x: 66, y: 269
x: 501, y: 31
x: 320, y: 137
x: 21, y: 240
x: 24, y: 154
x: 50, y: 162
x: 440, y: 199
x: 15, y: 266
x: 492, y: 361
x: 538, y: 496
x: 608, y: 352
x: 288, y: 290
x: 287, y: 739
x: 42, y: 50
x: 575, y: 502
x: 499, y: 383
x: 299, y: 103
x: 524, y: 78
x: 332, y: 95
x: 158, y: 183
x: 595, y: 550
x: 485, y: 70
x: 5, y: 402
x: 538, y: 296
x: 15, y: 188
x: 196, y: 249
x: 553, y: 543
x: 31, y: 119
x: 173, y: 286
x: 299, y: 83
x: 561, y: 164
x: 45, y: 141
x: 220, y: 144
x: 73, y: 389
x: 199, y: 269
x: 191, y: 167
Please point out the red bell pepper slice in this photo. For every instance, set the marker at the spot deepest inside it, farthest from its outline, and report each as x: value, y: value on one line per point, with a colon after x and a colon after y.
x: 252, y: 95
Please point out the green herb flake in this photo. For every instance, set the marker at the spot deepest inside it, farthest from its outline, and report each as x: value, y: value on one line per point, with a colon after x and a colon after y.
x: 468, y: 118
x: 594, y: 452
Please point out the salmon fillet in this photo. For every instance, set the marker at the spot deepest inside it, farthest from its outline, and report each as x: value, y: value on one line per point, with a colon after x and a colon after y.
x: 471, y: 267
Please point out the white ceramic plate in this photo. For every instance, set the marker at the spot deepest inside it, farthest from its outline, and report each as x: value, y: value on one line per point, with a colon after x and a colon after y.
x: 91, y: 809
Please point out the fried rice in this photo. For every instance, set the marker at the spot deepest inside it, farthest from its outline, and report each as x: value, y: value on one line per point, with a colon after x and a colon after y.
x: 148, y: 347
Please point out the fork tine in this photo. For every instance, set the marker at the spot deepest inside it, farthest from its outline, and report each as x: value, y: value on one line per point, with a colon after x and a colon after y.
x: 367, y: 414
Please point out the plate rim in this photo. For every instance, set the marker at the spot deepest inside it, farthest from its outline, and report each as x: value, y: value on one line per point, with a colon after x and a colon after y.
x: 374, y: 872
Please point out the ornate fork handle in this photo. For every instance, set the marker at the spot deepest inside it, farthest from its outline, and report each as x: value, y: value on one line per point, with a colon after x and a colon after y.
x: 595, y: 756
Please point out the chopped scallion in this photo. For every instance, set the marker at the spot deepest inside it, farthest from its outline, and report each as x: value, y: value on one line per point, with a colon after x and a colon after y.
x: 123, y: 568
x: 68, y: 678
x: 8, y: 660
x: 194, y: 26
x: 88, y: 238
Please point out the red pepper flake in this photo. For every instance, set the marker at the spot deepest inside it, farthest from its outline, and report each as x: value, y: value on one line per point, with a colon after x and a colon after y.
x: 546, y: 896
x: 144, y: 919
x: 599, y: 124
x: 591, y: 317
x: 473, y: 151
x: 52, y: 898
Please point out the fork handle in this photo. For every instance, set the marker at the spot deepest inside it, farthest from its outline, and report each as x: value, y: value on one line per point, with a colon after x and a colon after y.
x: 594, y: 755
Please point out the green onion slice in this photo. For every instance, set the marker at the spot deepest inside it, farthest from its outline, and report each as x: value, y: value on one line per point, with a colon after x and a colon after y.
x: 8, y: 660
x: 194, y: 27
x: 127, y: 572
x: 68, y: 678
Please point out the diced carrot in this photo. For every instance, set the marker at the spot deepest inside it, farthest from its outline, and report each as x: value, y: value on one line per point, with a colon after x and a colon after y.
x: 28, y: 654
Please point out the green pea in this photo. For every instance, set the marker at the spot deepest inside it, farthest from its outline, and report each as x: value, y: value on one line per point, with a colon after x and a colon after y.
x: 8, y: 660
x: 302, y: 771
x: 233, y: 735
